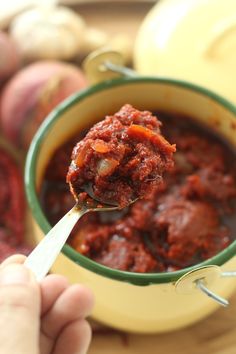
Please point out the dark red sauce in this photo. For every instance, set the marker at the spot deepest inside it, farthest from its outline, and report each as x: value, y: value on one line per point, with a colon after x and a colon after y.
x: 121, y: 158
x: 189, y: 219
x: 12, y: 207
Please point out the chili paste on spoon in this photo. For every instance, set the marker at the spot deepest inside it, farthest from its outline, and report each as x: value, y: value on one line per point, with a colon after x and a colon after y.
x: 121, y: 158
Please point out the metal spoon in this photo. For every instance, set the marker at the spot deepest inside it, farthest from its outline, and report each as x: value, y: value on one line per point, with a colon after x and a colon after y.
x: 43, y: 256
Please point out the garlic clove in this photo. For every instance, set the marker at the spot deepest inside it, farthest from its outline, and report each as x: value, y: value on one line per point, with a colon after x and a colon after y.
x: 48, y: 33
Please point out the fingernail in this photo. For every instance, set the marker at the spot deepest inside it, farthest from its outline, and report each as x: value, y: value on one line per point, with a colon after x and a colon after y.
x: 14, y: 274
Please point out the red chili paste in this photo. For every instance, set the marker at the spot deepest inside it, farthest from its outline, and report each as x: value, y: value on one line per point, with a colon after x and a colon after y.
x: 12, y: 208
x: 121, y: 158
x: 190, y: 218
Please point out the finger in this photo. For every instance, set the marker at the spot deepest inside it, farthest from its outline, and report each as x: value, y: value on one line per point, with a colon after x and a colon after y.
x: 16, y: 258
x: 19, y: 309
x: 75, y: 303
x: 75, y: 337
x: 51, y: 288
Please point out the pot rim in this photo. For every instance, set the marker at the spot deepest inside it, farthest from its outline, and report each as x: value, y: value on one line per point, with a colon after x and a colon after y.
x: 37, y: 212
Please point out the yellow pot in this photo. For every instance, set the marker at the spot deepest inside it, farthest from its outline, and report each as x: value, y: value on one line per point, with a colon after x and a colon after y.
x: 193, y: 40
x: 144, y: 303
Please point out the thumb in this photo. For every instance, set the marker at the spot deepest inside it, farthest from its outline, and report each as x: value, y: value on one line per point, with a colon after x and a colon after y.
x: 19, y: 310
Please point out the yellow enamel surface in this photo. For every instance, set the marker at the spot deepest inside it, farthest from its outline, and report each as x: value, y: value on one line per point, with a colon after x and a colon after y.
x: 192, y: 40
x: 153, y: 308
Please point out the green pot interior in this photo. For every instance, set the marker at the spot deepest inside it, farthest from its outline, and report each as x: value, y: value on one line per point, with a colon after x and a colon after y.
x: 91, y: 105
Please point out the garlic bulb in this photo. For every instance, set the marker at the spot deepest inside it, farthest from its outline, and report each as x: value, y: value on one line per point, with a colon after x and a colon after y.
x: 48, y: 33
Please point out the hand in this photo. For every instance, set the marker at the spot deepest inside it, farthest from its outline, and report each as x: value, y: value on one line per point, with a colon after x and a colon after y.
x: 45, y: 318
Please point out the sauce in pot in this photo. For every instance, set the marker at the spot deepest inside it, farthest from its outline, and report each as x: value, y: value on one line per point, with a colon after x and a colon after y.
x: 189, y: 219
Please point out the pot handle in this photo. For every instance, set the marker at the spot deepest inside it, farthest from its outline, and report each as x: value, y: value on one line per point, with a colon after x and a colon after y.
x: 220, y: 41
x: 200, y: 279
x: 105, y: 64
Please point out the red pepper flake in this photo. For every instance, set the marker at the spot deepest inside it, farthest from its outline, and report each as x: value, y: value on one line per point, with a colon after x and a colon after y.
x: 79, y: 161
x: 142, y: 133
x: 100, y: 146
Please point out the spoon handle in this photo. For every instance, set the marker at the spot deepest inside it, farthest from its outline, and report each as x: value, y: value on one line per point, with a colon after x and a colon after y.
x: 43, y: 256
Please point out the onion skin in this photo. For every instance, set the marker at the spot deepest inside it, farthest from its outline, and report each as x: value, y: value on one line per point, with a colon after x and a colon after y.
x: 32, y: 93
x: 9, y: 57
x: 107, y: 166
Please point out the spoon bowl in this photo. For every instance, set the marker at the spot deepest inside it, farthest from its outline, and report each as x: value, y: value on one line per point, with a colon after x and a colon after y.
x: 92, y: 199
